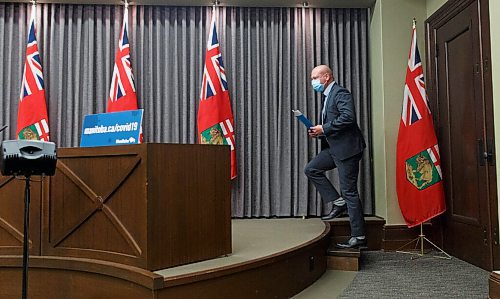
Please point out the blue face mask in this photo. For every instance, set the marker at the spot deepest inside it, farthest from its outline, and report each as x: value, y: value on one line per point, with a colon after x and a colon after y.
x: 317, y: 86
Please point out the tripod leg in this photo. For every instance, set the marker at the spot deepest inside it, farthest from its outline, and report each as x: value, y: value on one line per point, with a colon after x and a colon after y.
x: 447, y: 256
x: 422, y: 236
x: 26, y: 237
x: 416, y: 241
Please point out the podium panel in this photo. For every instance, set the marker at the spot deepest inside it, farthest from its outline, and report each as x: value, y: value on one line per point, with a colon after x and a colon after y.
x: 151, y: 206
x: 11, y: 215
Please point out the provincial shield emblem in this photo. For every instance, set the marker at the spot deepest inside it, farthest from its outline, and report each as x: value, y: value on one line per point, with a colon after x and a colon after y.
x: 213, y: 135
x: 421, y: 171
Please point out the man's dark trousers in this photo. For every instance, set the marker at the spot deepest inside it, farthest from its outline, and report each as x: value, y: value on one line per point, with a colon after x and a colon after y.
x: 348, y: 176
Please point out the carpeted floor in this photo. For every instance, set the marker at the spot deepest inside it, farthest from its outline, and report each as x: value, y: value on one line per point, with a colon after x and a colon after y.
x: 395, y: 275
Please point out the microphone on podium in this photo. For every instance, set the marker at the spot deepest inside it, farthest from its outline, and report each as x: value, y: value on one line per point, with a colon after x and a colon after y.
x: 3, y: 128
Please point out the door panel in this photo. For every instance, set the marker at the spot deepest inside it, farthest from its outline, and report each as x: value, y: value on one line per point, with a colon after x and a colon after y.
x: 462, y: 135
x: 464, y: 124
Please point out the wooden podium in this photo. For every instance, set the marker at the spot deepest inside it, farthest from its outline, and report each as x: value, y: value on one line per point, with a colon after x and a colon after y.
x: 151, y: 206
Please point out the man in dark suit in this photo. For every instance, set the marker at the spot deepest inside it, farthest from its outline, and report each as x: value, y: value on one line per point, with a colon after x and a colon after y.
x: 342, y: 146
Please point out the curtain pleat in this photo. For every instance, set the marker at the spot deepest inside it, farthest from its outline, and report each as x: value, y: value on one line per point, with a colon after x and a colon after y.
x: 268, y: 54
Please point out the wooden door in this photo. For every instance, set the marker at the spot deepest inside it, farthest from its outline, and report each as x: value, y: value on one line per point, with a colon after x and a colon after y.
x: 464, y: 120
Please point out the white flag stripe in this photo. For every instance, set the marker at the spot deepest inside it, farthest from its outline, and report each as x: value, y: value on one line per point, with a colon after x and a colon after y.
x: 438, y: 168
x: 128, y: 71
x: 223, y: 128
x: 415, y: 108
x: 38, y: 129
x: 230, y: 143
x: 431, y: 153
x: 26, y: 85
x: 209, y: 82
x: 45, y: 125
x: 36, y: 70
x: 404, y: 113
x: 228, y: 123
x: 421, y: 89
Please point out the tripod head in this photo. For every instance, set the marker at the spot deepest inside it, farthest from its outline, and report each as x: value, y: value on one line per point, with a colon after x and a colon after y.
x: 28, y: 157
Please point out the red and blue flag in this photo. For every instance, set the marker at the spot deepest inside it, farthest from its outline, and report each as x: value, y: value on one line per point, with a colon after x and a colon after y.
x: 32, y: 119
x: 419, y: 179
x: 122, y: 94
x: 215, y: 117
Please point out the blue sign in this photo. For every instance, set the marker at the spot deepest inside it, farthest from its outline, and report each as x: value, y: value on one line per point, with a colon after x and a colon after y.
x: 115, y: 128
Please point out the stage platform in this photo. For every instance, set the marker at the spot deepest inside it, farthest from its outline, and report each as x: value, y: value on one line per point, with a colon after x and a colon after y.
x: 271, y: 258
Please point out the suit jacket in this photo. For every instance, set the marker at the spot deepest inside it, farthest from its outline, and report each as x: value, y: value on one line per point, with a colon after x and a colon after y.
x: 341, y: 130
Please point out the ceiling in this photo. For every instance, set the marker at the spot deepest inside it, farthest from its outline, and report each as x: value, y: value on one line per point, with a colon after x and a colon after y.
x: 242, y: 3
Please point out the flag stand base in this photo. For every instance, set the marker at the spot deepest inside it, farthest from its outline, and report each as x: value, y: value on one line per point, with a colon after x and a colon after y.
x: 420, y: 240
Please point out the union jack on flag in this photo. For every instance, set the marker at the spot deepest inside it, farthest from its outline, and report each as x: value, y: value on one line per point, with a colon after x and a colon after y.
x: 214, y: 77
x: 32, y: 120
x: 215, y: 117
x: 414, y: 99
x: 122, y: 95
x: 33, y: 76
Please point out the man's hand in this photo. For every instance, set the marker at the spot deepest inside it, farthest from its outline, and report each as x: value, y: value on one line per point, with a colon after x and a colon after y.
x: 316, y: 131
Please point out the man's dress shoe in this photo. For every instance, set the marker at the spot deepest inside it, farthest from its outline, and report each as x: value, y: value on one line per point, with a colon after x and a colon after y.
x: 353, y: 242
x: 335, y: 212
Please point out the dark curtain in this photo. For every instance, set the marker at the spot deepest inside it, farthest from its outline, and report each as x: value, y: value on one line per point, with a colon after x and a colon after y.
x: 268, y: 55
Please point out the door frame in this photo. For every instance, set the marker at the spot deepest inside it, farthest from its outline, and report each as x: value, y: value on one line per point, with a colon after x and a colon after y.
x: 449, y: 10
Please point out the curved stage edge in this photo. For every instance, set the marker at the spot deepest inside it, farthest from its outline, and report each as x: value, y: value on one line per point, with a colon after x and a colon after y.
x: 286, y: 269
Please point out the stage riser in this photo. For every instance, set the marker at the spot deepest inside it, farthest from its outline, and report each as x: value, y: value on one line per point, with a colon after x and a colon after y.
x: 282, y: 279
x: 343, y: 259
x: 494, y: 286
x: 66, y: 284
x: 340, y: 231
x: 343, y: 263
x: 280, y: 275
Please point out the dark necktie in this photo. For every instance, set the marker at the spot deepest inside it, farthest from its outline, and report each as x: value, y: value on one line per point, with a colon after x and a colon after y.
x: 323, y: 111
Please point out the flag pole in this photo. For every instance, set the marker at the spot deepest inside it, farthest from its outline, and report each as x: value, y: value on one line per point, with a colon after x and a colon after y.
x: 33, y: 9
x: 215, y: 4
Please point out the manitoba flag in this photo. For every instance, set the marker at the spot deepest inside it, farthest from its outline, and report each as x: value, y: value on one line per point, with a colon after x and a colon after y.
x: 122, y: 94
x: 419, y: 180
x: 32, y: 120
x: 215, y: 117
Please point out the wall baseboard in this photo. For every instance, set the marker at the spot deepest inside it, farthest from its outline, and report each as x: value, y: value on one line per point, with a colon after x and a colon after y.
x: 396, y: 236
